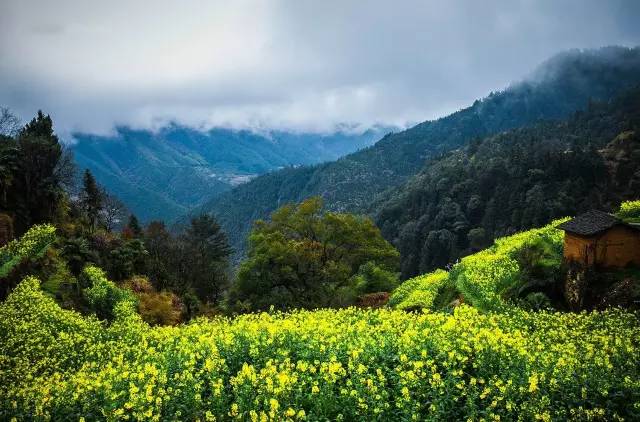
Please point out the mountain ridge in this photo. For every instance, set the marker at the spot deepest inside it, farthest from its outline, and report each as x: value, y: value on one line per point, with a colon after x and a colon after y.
x: 561, y: 85
x: 164, y: 174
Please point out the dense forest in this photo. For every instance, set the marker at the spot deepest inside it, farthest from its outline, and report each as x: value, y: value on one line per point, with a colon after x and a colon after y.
x: 518, y: 179
x: 558, y: 88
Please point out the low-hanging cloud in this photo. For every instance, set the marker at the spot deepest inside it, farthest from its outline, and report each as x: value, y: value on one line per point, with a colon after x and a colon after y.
x: 296, y: 65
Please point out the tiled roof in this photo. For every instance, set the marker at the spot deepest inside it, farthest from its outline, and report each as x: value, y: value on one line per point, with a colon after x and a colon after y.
x: 592, y: 222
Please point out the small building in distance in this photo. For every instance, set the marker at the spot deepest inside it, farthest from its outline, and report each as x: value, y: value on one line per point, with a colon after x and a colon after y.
x: 597, y: 238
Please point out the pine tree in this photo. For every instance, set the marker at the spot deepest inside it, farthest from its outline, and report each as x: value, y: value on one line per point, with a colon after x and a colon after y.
x: 206, y: 257
x: 133, y: 226
x: 37, y: 190
x: 92, y: 199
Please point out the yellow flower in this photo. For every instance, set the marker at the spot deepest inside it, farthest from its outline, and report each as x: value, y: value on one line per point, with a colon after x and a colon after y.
x: 273, y: 404
x: 533, y: 383
x: 234, y: 410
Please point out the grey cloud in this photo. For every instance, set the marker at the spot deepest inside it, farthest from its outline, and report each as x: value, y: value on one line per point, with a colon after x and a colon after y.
x: 297, y: 65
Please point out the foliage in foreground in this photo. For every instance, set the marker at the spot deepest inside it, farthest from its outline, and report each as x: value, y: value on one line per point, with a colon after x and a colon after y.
x: 337, y: 364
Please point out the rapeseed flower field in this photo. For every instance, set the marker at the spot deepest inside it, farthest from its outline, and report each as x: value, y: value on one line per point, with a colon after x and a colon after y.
x: 348, y: 364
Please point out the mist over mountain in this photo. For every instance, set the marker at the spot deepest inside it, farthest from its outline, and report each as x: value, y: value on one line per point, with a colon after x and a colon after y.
x: 163, y: 175
x: 558, y: 87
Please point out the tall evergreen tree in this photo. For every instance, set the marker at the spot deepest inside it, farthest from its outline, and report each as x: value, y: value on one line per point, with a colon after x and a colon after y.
x: 8, y: 167
x: 205, y: 258
x: 37, y: 189
x: 92, y: 199
x: 133, y: 226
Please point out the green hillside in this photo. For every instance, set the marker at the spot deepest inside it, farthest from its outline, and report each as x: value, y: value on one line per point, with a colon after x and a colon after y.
x: 513, y: 181
x: 561, y: 86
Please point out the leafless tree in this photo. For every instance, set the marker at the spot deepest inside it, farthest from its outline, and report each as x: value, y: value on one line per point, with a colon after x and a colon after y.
x: 114, y: 211
x: 9, y: 123
x: 66, y: 169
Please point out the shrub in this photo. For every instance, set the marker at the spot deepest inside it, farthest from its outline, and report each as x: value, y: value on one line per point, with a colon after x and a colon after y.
x: 155, y: 308
x: 629, y: 211
x: 373, y: 279
x: 105, y: 298
x: 419, y: 292
x: 31, y: 245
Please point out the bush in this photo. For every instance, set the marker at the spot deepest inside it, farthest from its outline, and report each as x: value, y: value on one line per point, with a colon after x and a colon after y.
x: 105, y: 298
x: 31, y: 245
x: 373, y: 279
x: 155, y: 308
x: 629, y: 211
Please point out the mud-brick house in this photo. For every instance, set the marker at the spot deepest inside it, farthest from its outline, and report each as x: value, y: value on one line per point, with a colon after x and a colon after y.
x: 597, y: 238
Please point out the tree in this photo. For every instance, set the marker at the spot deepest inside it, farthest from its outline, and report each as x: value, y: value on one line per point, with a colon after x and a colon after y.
x: 8, y: 167
x: 205, y: 258
x: 113, y: 211
x: 164, y: 253
x: 133, y: 228
x: 9, y: 123
x: 306, y: 258
x: 92, y: 199
x: 128, y: 259
x: 37, y: 189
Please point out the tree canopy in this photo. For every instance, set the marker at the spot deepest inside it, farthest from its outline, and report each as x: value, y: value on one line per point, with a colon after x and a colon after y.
x: 304, y: 257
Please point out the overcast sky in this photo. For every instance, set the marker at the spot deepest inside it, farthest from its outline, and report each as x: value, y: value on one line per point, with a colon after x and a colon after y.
x: 300, y: 65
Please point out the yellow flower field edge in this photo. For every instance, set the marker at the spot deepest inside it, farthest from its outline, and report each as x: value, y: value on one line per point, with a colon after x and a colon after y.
x: 481, y: 278
x: 419, y: 292
x: 629, y: 211
x: 32, y: 244
x: 484, y: 276
x: 349, y: 364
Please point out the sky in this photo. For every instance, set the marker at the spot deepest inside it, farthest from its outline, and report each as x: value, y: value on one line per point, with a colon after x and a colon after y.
x: 296, y: 65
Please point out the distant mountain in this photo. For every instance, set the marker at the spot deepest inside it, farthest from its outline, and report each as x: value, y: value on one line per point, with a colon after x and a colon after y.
x: 165, y: 174
x: 559, y: 87
x: 513, y: 181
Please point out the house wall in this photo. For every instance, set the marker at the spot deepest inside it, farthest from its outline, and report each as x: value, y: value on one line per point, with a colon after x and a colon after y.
x: 617, y: 247
x: 577, y: 248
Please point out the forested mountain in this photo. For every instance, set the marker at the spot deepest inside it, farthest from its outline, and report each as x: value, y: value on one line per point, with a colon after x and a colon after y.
x: 163, y: 175
x: 512, y: 181
x: 560, y: 86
